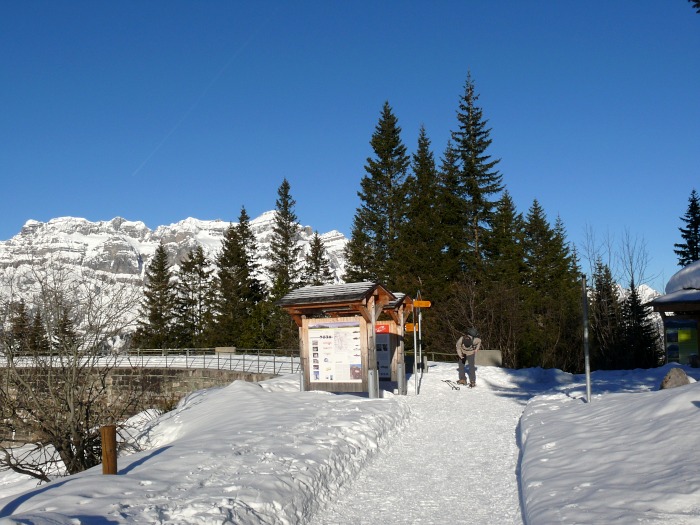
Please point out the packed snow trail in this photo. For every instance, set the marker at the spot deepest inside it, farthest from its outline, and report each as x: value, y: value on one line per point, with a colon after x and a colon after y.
x: 455, y: 462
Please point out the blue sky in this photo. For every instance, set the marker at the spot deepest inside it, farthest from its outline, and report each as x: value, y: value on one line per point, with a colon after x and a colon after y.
x: 158, y: 111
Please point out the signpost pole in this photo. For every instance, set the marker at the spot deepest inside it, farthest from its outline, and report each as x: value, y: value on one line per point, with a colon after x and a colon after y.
x: 586, y: 352
x: 415, y: 353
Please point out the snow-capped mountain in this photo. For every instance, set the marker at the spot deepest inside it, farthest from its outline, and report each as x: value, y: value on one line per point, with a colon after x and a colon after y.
x: 646, y: 293
x: 124, y: 248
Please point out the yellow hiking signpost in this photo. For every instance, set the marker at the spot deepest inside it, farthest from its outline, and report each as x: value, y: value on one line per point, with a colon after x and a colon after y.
x: 414, y: 327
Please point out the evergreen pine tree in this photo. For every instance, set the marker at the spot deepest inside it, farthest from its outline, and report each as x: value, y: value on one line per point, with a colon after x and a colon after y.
x: 316, y: 266
x: 38, y: 338
x: 451, y: 208
x: 538, y: 243
x: 158, y: 305
x: 229, y: 308
x: 20, y: 328
x: 359, y: 258
x: 285, y: 271
x: 418, y: 251
x: 382, y: 208
x: 64, y: 339
x: 497, y: 304
x: 641, y: 348
x: 689, y: 250
x: 504, y: 250
x: 238, y: 289
x: 552, y: 303
x: 194, y: 300
x: 605, y: 316
x: 254, y: 291
x: 479, y: 182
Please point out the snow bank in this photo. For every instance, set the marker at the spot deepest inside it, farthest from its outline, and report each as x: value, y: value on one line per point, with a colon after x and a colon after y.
x: 244, y: 454
x: 267, y: 453
x: 623, y: 458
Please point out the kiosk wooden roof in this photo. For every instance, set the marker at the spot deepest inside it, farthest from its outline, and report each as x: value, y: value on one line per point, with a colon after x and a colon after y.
x: 340, y: 300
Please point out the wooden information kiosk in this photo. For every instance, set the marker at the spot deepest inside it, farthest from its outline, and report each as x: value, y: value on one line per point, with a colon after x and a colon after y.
x: 338, y: 333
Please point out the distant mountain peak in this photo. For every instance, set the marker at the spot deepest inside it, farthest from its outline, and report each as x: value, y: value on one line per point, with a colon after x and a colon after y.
x: 124, y: 248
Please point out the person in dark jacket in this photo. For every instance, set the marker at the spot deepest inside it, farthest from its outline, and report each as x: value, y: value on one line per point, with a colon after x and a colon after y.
x: 467, y: 347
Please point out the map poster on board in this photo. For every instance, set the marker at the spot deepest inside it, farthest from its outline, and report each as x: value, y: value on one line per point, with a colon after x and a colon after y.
x: 334, y: 351
x: 383, y: 340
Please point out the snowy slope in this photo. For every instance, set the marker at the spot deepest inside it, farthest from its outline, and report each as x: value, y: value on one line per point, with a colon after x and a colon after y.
x: 268, y: 453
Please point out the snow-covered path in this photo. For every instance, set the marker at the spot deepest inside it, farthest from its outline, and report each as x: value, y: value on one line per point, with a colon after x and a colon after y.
x: 266, y: 453
x: 455, y: 462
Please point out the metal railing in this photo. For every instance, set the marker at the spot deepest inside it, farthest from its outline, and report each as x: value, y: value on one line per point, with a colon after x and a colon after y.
x: 435, y: 356
x: 250, y: 360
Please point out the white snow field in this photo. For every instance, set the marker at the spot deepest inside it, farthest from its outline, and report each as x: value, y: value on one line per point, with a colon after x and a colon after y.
x: 522, y: 447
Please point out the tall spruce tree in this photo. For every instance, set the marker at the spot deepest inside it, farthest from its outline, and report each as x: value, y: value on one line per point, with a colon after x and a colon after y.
x: 20, y: 328
x: 501, y: 291
x: 64, y: 337
x: 539, y: 252
x: 382, y: 207
x: 238, y: 289
x: 641, y: 345
x: 359, y: 256
x: 157, y: 308
x: 194, y: 301
x: 38, y: 338
x: 451, y: 209
x: 228, y: 317
x: 504, y: 249
x: 418, y: 253
x: 285, y: 270
x: 480, y: 183
x: 605, y: 315
x: 254, y: 290
x: 317, y: 269
x: 689, y: 250
x: 552, y: 303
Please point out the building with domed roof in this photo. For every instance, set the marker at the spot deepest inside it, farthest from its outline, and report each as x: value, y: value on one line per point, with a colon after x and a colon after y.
x: 680, y: 311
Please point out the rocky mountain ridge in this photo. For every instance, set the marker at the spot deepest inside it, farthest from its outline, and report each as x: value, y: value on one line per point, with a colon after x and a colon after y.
x: 123, y: 248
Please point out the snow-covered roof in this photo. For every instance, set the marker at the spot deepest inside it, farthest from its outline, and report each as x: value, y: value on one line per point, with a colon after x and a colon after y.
x: 682, y: 291
x: 679, y: 301
x: 337, y: 300
x: 685, y: 279
x: 331, y: 293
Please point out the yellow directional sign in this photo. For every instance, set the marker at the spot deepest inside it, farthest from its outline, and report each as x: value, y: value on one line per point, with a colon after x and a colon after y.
x: 410, y: 327
x: 421, y: 304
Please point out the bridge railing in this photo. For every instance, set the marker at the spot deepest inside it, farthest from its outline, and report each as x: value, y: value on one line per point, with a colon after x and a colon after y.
x: 262, y: 361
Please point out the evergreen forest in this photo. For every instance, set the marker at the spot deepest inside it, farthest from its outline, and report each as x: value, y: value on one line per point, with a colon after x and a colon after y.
x: 442, y: 226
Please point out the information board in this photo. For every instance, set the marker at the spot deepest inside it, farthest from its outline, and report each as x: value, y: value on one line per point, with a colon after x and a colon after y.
x: 334, y: 351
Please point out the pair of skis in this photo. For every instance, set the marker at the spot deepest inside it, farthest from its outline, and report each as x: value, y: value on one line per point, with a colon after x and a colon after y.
x: 454, y: 385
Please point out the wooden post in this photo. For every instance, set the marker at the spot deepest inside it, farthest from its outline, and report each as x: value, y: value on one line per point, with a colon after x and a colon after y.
x: 109, y: 449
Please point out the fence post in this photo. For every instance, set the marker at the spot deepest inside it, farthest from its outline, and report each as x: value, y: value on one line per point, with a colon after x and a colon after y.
x: 109, y: 449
